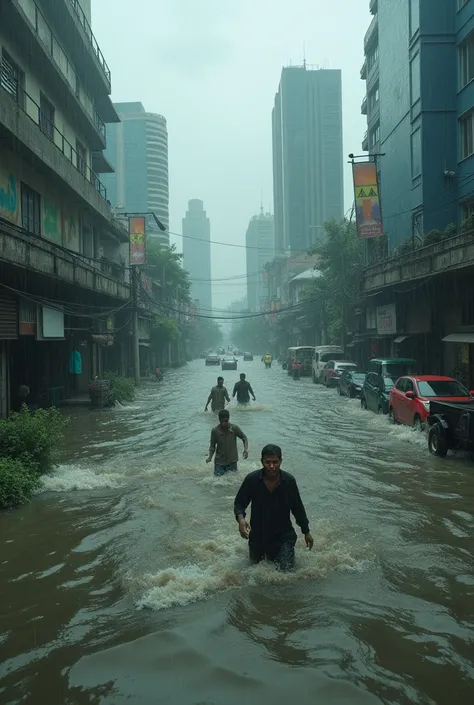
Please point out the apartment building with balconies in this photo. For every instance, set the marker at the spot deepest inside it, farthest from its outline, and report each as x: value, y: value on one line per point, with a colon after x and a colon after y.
x: 61, y: 250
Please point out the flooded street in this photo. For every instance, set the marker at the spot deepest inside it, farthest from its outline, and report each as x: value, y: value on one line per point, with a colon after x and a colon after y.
x: 127, y: 581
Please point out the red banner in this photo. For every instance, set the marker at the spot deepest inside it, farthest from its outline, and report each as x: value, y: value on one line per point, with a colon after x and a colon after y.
x: 136, y: 229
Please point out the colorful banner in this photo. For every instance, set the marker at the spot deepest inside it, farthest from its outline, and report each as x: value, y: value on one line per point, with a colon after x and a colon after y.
x: 136, y: 229
x: 366, y: 191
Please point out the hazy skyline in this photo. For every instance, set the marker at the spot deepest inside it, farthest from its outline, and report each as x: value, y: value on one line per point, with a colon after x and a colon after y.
x: 212, y: 68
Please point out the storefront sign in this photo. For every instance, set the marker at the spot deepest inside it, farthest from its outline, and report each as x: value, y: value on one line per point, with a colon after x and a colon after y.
x: 9, y: 202
x: 136, y: 229
x: 387, y: 320
x: 366, y: 191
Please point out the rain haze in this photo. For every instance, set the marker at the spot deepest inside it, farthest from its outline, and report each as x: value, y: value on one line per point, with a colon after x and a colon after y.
x: 212, y: 68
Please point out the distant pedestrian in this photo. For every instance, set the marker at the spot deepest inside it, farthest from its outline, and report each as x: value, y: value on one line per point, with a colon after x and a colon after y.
x: 273, y: 494
x: 218, y: 396
x: 223, y: 445
x: 243, y: 390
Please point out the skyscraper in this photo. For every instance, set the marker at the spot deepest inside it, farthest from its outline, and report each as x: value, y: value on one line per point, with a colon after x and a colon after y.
x: 260, y: 243
x: 419, y: 71
x: 197, y: 253
x: 137, y: 148
x: 307, y: 155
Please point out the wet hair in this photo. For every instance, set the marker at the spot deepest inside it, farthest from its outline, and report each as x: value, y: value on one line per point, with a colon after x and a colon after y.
x: 242, y: 375
x: 220, y: 378
x: 271, y: 449
x: 224, y: 415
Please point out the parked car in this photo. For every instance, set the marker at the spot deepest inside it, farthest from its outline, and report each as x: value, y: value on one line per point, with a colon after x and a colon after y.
x: 333, y: 370
x: 351, y: 383
x: 411, y: 396
x: 213, y: 360
x: 248, y: 357
x: 229, y: 363
x: 375, y: 393
x: 381, y: 377
x: 322, y: 355
x: 451, y: 426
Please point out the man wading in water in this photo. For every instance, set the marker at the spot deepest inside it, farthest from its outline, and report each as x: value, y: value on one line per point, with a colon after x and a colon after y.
x: 224, y: 445
x: 218, y: 396
x: 243, y: 389
x: 273, y: 494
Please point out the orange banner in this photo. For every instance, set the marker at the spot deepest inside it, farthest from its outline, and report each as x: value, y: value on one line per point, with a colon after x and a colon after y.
x: 136, y: 229
x: 367, y: 201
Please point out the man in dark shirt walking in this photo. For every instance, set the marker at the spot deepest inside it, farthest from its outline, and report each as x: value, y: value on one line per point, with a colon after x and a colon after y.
x: 243, y: 389
x: 224, y: 445
x: 273, y: 494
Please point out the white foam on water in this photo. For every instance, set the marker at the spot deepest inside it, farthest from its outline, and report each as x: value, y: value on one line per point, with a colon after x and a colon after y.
x: 67, y: 478
x: 221, y: 563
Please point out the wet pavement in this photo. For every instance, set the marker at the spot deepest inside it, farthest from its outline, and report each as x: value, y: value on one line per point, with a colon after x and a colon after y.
x: 126, y: 579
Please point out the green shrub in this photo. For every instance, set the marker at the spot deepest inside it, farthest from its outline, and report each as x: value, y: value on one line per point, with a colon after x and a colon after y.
x: 16, y: 483
x: 32, y: 438
x: 122, y: 388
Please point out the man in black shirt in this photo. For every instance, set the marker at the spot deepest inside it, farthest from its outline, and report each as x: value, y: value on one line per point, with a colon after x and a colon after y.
x: 243, y: 389
x: 273, y: 494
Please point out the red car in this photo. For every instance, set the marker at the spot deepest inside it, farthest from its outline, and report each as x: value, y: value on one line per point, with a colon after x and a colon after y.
x: 410, y: 398
x: 332, y: 371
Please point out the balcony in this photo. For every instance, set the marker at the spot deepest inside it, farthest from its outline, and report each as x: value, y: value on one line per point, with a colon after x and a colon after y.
x: 363, y: 107
x: 365, y: 143
x: 91, y: 40
x: 34, y: 253
x: 374, y: 6
x: 49, y: 43
x: 374, y: 114
x: 363, y: 71
x: 371, y: 32
x: 454, y: 253
x: 24, y: 119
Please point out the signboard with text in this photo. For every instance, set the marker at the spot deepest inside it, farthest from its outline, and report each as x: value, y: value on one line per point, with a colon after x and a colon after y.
x: 136, y: 229
x: 367, y: 200
x: 387, y: 320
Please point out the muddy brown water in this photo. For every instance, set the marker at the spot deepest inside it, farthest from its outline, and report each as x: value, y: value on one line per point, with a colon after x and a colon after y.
x: 125, y: 580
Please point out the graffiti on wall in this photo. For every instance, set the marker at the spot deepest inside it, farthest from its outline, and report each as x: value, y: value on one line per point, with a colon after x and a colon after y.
x: 9, y: 201
x: 52, y: 222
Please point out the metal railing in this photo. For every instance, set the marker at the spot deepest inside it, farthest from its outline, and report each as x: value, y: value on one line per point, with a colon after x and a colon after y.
x: 44, y: 32
x: 31, y: 108
x: 92, y: 40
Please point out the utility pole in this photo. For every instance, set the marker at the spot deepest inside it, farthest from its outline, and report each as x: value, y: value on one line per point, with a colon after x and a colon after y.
x: 135, y: 333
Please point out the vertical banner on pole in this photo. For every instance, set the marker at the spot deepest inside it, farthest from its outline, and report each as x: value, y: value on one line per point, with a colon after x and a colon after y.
x: 136, y: 229
x: 367, y: 201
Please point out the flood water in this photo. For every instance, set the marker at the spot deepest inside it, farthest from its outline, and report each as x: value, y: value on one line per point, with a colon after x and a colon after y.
x: 126, y: 581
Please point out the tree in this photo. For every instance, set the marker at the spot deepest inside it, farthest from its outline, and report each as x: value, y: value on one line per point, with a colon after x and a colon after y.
x: 164, y: 264
x: 251, y: 333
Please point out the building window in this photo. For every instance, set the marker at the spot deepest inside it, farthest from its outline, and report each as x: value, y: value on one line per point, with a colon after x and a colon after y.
x: 466, y: 61
x: 414, y: 16
x: 467, y: 137
x: 415, y: 79
x: 30, y: 210
x: 373, y: 98
x: 81, y: 158
x: 417, y: 226
x: 416, y: 153
x: 46, y: 117
x: 372, y: 57
x: 374, y: 137
x: 467, y: 209
x: 12, y: 79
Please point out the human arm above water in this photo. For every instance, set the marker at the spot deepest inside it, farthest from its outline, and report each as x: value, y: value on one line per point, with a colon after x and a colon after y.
x: 226, y: 394
x: 209, y: 399
x: 299, y: 512
x: 241, y: 502
x: 236, y: 386
x: 240, y: 434
x: 252, y: 392
x: 212, y: 446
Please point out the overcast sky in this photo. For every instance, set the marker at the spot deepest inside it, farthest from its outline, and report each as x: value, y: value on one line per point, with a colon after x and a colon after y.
x: 212, y: 68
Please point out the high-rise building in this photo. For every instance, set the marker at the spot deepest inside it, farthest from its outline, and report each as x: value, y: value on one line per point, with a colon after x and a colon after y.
x: 307, y: 156
x: 197, y: 253
x: 137, y: 148
x: 419, y: 71
x: 260, y: 243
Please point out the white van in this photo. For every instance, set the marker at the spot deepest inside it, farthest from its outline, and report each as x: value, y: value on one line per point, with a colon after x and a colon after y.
x: 322, y: 355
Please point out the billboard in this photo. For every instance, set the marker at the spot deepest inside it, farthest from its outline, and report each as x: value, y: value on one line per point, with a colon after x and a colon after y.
x: 136, y: 229
x: 367, y: 202
x: 387, y: 320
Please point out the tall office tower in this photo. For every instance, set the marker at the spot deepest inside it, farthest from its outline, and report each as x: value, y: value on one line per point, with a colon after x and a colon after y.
x: 260, y: 243
x: 197, y: 253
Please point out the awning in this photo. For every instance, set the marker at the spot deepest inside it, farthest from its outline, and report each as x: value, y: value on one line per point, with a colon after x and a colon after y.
x: 459, y: 338
x: 401, y: 338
